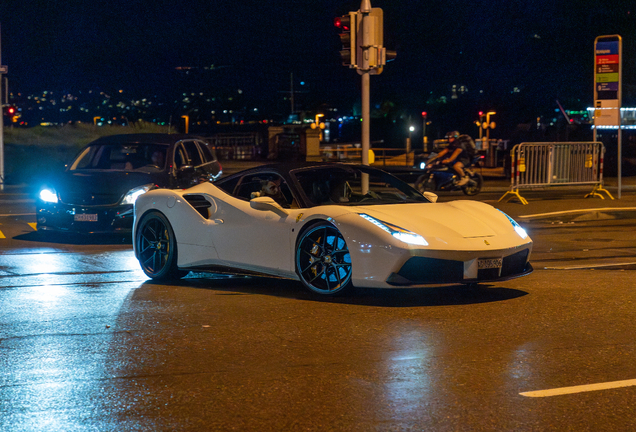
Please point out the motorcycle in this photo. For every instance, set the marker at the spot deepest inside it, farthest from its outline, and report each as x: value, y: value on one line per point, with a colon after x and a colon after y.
x: 438, y: 177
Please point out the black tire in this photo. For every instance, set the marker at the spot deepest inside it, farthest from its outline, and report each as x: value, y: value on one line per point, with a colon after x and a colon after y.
x: 323, y: 262
x: 157, y: 247
x: 473, y: 187
x: 425, y: 183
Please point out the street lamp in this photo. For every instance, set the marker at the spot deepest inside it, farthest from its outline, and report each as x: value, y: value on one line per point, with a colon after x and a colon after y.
x: 318, y: 125
x: 424, y: 139
x: 408, y: 143
x: 488, y: 125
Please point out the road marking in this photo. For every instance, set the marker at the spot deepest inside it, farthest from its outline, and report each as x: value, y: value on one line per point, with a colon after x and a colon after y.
x: 591, y: 266
x: 33, y: 225
x: 2, y: 235
x: 16, y: 214
x: 569, y: 212
x: 579, y: 389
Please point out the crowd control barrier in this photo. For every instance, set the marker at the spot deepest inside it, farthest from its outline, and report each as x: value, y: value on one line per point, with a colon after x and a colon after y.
x: 539, y: 165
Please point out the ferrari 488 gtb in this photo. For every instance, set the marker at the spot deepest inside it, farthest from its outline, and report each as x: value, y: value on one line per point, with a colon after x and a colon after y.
x: 331, y: 226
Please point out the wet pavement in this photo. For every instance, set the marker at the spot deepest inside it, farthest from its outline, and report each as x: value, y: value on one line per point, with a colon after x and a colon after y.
x: 88, y: 343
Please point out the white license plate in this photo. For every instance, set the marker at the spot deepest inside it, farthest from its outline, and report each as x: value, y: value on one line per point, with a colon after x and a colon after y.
x: 84, y: 217
x: 489, y: 263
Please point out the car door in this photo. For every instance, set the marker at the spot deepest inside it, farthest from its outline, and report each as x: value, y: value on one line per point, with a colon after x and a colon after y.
x: 186, y: 159
x: 210, y: 168
x: 255, y: 239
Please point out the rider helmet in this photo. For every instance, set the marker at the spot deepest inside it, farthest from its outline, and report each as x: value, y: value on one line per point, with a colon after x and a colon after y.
x: 453, y: 134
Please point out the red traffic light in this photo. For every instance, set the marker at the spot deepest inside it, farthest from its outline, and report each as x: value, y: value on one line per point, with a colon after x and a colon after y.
x: 342, y: 22
x: 424, y: 114
x: 481, y: 113
x: 9, y: 110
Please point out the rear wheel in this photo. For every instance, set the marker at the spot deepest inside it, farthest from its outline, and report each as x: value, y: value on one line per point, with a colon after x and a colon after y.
x: 157, y: 247
x: 323, y: 262
x: 473, y: 187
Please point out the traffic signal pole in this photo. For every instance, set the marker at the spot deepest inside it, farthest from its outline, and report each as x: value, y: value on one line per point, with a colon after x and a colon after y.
x: 363, y: 70
x: 366, y: 117
x: 366, y: 127
x: 362, y: 38
x: 2, y: 69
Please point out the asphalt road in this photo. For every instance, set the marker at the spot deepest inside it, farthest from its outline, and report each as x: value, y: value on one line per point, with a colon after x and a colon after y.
x: 88, y: 343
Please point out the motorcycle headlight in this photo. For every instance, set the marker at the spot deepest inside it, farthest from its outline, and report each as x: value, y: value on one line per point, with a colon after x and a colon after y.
x: 522, y: 233
x: 48, y: 194
x: 132, y: 195
x: 401, y: 234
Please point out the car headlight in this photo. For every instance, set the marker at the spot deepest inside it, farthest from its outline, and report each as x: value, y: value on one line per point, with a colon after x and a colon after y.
x: 522, y: 233
x: 401, y: 234
x: 49, y: 195
x: 135, y: 193
x: 422, y: 165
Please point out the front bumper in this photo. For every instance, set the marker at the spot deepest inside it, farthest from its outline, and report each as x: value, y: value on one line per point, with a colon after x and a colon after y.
x: 420, y: 270
x: 84, y: 219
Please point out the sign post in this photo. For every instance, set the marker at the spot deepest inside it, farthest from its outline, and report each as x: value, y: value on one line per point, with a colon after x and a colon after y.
x: 608, y: 78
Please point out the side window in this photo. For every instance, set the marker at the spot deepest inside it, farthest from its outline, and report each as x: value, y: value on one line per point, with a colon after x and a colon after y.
x: 208, y: 153
x: 193, y: 153
x: 259, y: 185
x: 180, y: 158
x: 228, y: 186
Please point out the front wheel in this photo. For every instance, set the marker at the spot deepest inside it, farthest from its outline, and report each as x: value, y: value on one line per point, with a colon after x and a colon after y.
x: 157, y: 247
x: 323, y: 262
x: 473, y: 187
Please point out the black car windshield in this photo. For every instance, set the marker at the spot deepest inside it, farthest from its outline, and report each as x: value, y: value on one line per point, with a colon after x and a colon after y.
x: 344, y: 186
x: 122, y: 157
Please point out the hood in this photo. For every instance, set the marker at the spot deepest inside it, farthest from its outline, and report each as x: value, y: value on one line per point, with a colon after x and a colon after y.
x: 466, y: 219
x: 100, y: 187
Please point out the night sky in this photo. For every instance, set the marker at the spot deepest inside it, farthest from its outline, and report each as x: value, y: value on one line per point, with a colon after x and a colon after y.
x: 543, y: 48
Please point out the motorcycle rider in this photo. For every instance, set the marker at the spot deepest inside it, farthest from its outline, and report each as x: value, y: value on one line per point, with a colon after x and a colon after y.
x: 458, y: 158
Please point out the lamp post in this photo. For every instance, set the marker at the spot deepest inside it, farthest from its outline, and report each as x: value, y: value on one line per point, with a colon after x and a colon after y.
x: 492, y: 158
x: 408, y: 145
x: 318, y: 125
x: 424, y: 138
x: 488, y: 125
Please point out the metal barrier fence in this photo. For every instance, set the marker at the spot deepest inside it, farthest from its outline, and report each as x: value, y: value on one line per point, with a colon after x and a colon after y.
x: 536, y: 165
x: 235, y: 145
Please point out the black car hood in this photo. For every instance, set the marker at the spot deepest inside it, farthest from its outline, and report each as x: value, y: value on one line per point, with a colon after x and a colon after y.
x: 97, y: 187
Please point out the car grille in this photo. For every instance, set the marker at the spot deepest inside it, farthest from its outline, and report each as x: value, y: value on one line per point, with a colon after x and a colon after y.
x: 422, y: 270
x: 85, y: 199
x: 432, y: 270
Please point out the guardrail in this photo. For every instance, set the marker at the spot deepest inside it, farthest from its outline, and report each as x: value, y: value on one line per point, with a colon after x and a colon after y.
x: 537, y: 165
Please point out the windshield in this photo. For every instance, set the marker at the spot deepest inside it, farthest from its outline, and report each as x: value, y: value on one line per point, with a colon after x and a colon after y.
x: 122, y: 157
x: 343, y: 186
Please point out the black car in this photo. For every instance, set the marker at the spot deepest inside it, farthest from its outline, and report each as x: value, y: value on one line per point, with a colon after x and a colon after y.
x: 97, y: 190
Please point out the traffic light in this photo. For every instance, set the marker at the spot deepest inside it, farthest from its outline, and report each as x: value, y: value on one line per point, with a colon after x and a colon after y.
x: 11, y: 112
x: 424, y: 114
x: 347, y: 26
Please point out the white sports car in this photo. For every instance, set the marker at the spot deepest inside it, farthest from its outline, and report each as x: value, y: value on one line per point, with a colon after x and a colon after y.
x: 331, y: 226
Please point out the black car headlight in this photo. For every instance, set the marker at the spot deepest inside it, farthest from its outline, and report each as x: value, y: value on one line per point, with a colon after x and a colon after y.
x: 132, y: 195
x: 48, y: 195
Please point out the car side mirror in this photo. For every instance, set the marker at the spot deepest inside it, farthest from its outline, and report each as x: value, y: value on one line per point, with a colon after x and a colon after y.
x: 187, y: 169
x: 267, y: 203
x: 430, y: 196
